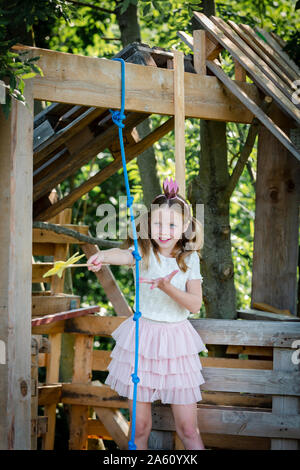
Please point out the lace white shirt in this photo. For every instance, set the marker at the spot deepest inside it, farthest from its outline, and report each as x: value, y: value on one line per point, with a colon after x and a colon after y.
x: 155, y: 304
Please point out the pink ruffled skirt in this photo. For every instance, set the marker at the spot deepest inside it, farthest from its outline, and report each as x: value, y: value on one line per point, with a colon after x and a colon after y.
x: 169, y: 367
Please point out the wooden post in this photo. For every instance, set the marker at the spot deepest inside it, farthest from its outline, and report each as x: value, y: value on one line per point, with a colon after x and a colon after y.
x: 16, y: 137
x: 179, y: 113
x: 285, y: 406
x: 53, y: 359
x: 199, y: 40
x: 274, y: 279
x: 83, y: 357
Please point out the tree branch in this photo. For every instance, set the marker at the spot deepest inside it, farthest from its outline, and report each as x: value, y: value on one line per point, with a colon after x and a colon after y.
x: 77, y: 235
x: 246, y: 150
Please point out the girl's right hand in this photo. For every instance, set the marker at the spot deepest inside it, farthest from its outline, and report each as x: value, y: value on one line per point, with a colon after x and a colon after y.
x: 96, y: 260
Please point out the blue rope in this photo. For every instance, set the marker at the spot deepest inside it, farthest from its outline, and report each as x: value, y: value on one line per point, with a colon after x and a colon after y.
x: 118, y: 117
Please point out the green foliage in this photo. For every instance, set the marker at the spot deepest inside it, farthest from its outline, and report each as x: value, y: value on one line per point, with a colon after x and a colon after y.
x: 17, y: 20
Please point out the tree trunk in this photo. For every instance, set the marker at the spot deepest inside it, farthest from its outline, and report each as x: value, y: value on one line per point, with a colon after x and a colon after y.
x: 146, y: 161
x: 207, y: 188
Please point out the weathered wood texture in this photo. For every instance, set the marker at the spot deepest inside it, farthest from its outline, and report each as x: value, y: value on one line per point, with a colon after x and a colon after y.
x: 212, y: 331
x: 237, y: 393
x: 16, y: 134
x: 274, y: 278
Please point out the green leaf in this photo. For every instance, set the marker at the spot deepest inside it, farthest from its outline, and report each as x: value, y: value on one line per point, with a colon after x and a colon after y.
x: 28, y: 75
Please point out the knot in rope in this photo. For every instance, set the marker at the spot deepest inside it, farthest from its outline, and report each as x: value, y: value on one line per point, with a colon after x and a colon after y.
x: 136, y: 255
x: 117, y: 117
x: 131, y: 445
x: 136, y: 316
x: 135, y: 378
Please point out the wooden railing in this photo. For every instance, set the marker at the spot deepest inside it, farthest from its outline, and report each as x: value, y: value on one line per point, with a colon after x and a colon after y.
x: 247, y: 403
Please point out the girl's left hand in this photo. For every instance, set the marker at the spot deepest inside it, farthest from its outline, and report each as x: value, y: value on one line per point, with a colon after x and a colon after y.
x: 159, y: 282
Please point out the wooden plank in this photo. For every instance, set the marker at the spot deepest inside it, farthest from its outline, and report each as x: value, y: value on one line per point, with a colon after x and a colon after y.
x: 212, y: 331
x: 199, y: 48
x: 82, y: 372
x: 65, y: 166
x: 98, y: 84
x: 101, y: 359
x: 278, y: 49
x: 239, y: 72
x: 88, y: 395
x: 269, y: 382
x: 263, y: 118
x: 257, y: 75
x: 47, y: 236
x: 232, y: 421
x: 250, y: 350
x: 53, y: 359
x: 284, y: 81
x: 48, y: 305
x: 116, y: 424
x: 65, y: 135
x: 274, y: 279
x: 258, y: 66
x: 179, y: 121
x: 42, y: 133
x: 131, y: 152
x: 109, y: 284
x: 2, y: 92
x: 236, y: 399
x: 34, y: 391
x: 16, y: 135
x: 213, y: 49
x: 256, y: 315
x: 285, y: 407
x: 269, y: 51
x: 52, y: 375
x: 49, y: 394
x: 227, y: 442
x: 46, y: 319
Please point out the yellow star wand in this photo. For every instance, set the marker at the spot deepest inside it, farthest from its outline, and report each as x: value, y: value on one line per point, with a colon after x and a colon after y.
x: 60, y: 266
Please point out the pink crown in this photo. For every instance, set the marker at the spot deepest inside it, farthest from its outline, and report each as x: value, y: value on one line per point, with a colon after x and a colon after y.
x: 171, y: 188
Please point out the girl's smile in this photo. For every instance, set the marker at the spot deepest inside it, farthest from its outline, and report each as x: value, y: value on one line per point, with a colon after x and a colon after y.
x: 166, y: 228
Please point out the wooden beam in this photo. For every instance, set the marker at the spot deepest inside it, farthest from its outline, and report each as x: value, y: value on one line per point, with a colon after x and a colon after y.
x: 109, y: 284
x: 199, y: 47
x: 263, y: 118
x: 16, y: 137
x: 265, y: 58
x: 179, y: 109
x: 48, y: 305
x: 269, y: 51
x: 69, y: 163
x: 212, y: 331
x: 285, y: 407
x: 132, y: 151
x: 232, y: 421
x: 92, y: 81
x: 65, y: 315
x: 257, y: 72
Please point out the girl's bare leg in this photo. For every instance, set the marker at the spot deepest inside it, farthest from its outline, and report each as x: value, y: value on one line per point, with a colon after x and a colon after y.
x: 185, y: 417
x: 143, y: 423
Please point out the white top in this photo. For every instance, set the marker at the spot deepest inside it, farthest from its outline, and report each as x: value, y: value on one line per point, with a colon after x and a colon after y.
x: 155, y: 304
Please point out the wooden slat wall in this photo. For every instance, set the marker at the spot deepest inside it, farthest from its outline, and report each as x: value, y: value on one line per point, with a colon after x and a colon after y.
x: 237, y: 393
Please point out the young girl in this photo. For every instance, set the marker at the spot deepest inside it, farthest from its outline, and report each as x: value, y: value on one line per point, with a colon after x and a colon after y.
x: 169, y: 367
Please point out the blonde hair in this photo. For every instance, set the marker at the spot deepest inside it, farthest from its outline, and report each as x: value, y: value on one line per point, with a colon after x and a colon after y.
x: 192, y: 238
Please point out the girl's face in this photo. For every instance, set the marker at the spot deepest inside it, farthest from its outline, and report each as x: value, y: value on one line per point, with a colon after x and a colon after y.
x: 166, y: 227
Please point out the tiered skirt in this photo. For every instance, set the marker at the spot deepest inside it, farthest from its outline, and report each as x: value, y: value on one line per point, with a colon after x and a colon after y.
x: 169, y: 366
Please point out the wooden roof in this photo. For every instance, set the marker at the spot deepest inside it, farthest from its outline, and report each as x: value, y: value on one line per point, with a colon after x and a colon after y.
x: 67, y: 136
x: 264, y: 61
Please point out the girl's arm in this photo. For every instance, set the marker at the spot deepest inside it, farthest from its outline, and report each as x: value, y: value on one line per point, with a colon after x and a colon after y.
x: 111, y: 256
x: 191, y: 299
